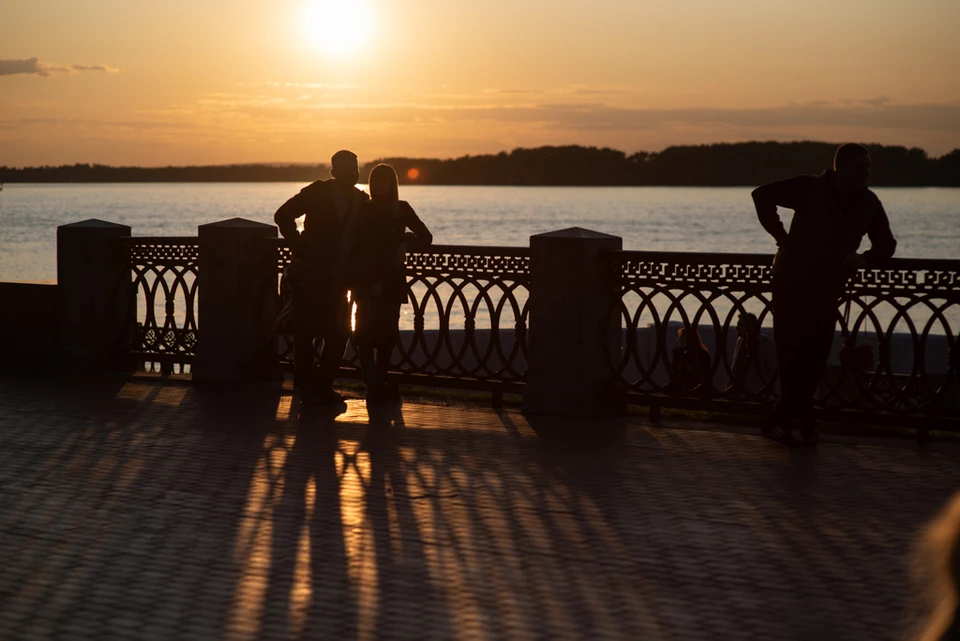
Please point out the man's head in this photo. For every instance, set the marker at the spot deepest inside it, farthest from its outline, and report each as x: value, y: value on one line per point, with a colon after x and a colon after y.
x: 852, y: 166
x: 344, y: 167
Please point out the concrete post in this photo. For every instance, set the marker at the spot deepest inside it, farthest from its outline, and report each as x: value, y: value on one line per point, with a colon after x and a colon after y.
x: 568, y: 306
x: 236, y: 301
x: 94, y: 297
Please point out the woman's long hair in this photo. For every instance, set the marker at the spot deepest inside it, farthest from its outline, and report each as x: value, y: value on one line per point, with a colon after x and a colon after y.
x: 384, y: 186
x: 689, y: 338
x: 938, y: 572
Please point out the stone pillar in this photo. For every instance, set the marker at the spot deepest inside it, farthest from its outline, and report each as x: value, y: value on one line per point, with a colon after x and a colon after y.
x: 568, y: 307
x: 236, y: 302
x: 95, y: 297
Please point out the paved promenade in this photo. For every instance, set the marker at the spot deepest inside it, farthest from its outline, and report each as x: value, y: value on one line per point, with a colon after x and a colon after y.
x: 143, y: 509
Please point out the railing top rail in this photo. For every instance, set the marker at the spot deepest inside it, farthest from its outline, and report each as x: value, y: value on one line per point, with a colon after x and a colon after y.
x: 473, y: 250
x: 162, y: 240
x: 720, y: 258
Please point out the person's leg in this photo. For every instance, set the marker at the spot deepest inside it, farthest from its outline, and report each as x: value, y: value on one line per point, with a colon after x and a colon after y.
x: 305, y: 323
x: 335, y: 336
x: 788, y: 320
x: 384, y: 356
x: 822, y: 325
x: 389, y: 317
x: 368, y: 368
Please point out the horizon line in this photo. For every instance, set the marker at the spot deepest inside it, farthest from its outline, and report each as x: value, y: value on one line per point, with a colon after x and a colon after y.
x: 473, y: 155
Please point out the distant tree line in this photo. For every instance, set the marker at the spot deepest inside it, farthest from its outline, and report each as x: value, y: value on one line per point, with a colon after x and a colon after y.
x: 727, y: 164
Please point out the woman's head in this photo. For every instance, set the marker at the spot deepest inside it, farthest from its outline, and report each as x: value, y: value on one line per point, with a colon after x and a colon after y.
x: 689, y: 338
x: 384, y: 186
x: 748, y: 324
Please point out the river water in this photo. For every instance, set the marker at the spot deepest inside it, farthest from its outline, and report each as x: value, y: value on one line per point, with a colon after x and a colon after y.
x: 926, y: 221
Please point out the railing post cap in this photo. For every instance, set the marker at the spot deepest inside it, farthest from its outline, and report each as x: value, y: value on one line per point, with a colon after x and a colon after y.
x: 236, y: 223
x: 94, y: 223
x: 575, y: 233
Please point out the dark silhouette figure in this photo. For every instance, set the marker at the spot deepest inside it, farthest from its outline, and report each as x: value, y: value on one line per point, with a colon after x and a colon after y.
x: 321, y: 312
x: 379, y: 281
x: 751, y: 369
x: 832, y: 212
x: 691, y: 362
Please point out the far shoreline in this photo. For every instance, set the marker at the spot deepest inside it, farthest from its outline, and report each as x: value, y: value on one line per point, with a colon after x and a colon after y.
x: 718, y: 165
x: 418, y: 184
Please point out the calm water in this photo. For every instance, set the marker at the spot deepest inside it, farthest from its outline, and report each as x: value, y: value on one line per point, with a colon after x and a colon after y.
x: 925, y: 221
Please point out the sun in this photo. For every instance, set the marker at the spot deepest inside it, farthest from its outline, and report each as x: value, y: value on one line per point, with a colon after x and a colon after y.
x: 337, y: 27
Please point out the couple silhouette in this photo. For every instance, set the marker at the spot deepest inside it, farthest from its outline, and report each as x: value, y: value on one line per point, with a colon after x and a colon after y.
x: 351, y: 250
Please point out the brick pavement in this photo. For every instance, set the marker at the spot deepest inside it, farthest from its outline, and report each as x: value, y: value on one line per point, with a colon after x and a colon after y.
x: 146, y: 509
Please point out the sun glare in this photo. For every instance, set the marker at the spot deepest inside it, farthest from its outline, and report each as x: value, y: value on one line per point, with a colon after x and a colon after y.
x: 337, y: 27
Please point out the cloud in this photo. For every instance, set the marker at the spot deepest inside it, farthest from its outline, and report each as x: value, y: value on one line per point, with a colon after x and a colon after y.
x: 103, y: 68
x: 879, y: 101
x: 30, y: 65
x: 513, y: 91
x: 874, y: 114
x: 33, y: 66
x: 518, y: 122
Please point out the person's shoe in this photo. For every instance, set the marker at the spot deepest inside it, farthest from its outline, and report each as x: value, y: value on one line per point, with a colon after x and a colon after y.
x: 768, y: 426
x: 781, y: 433
x: 323, y: 397
x: 771, y: 422
x: 809, y: 434
x: 391, y: 393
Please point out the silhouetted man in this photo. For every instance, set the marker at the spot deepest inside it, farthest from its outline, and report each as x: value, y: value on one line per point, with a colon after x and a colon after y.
x: 832, y: 212
x: 321, y: 311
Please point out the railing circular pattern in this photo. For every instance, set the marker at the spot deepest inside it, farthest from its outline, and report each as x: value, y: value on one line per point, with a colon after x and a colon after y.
x: 910, y: 306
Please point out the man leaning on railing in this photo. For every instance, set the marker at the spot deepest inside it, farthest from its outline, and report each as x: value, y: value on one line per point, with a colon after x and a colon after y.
x: 832, y: 213
x: 321, y: 313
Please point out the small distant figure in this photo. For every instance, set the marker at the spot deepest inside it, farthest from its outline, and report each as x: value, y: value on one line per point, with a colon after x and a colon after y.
x: 318, y: 274
x: 691, y: 362
x: 752, y: 368
x: 938, y: 572
x: 832, y: 212
x: 379, y: 280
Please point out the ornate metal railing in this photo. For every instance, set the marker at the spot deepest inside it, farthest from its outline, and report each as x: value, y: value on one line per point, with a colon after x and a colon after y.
x: 909, y: 312
x: 465, y: 322
x: 165, y: 280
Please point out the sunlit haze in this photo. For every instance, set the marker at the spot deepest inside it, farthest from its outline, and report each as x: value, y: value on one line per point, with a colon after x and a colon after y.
x: 188, y: 82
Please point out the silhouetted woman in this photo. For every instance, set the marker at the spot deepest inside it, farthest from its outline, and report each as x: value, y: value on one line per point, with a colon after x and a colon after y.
x: 940, y: 574
x: 380, y: 284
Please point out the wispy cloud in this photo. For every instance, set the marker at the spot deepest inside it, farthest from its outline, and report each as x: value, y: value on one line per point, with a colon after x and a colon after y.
x: 297, y: 85
x: 876, y: 113
x: 33, y: 66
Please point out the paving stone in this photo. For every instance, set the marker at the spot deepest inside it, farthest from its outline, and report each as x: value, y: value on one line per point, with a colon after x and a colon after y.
x: 124, y: 514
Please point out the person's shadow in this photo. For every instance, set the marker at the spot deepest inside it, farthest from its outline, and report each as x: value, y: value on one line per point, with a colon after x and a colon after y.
x: 308, y: 531
x: 404, y: 585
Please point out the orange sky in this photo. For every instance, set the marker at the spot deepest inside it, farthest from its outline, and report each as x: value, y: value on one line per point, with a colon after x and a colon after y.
x: 211, y: 81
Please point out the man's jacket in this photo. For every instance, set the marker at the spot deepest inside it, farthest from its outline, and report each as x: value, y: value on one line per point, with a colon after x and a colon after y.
x: 330, y: 218
x: 827, y: 227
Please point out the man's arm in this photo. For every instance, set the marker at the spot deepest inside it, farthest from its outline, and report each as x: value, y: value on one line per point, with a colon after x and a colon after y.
x: 788, y: 193
x: 286, y: 218
x: 882, y: 242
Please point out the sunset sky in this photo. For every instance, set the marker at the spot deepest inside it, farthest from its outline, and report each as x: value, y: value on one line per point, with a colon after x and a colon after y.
x: 211, y: 81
